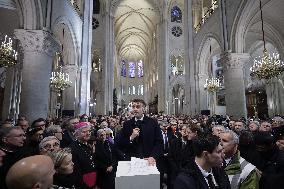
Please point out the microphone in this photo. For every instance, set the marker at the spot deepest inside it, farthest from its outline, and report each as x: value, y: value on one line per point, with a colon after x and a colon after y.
x: 138, y: 125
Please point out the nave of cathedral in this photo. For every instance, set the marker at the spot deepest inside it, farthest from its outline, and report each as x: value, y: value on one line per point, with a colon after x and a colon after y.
x: 66, y: 63
x: 164, y: 52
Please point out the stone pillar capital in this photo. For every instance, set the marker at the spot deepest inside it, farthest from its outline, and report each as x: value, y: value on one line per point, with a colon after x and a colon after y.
x: 234, y: 60
x: 37, y: 41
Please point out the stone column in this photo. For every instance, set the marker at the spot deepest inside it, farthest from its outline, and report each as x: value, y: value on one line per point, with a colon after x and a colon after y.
x: 163, y: 80
x: 39, y: 48
x: 190, y: 87
x: 86, y: 57
x: 233, y: 64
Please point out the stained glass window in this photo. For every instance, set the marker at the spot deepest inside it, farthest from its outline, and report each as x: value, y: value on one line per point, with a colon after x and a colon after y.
x: 176, y: 15
x: 140, y: 68
x: 123, y: 68
x: 132, y: 69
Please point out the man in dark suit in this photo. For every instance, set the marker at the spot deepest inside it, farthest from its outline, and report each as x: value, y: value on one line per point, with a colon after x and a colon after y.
x: 140, y: 136
x: 204, y: 171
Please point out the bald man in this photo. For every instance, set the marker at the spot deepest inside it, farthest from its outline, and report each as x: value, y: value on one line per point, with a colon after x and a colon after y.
x: 34, y: 172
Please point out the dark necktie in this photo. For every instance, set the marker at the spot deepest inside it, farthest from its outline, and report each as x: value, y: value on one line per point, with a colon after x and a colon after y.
x: 166, y: 142
x: 210, y: 181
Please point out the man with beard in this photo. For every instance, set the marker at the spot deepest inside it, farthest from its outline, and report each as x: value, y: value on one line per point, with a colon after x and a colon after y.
x: 140, y: 136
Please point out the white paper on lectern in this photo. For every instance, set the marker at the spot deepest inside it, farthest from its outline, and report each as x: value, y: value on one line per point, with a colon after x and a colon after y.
x: 135, y: 167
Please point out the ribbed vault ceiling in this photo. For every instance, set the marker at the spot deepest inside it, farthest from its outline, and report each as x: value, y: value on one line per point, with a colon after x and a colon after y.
x: 135, y: 23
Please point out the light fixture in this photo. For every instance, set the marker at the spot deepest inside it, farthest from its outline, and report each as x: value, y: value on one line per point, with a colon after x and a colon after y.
x: 59, y: 80
x: 8, y: 56
x: 267, y: 66
x: 212, y: 85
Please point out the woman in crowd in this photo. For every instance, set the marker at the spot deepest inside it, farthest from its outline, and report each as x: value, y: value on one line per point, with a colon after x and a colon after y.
x: 49, y: 144
x: 106, y: 162
x: 63, y: 165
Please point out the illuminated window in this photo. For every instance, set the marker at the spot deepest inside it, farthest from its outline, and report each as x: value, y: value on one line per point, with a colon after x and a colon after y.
x: 129, y: 90
x: 140, y: 68
x: 133, y: 90
x: 140, y: 90
x: 132, y: 68
x: 176, y: 15
x: 123, y: 68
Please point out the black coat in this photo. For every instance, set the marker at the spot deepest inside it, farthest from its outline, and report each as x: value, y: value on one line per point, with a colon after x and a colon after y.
x: 105, y: 156
x: 270, y: 163
x: 192, y: 178
x: 149, y: 143
x: 84, y: 163
x: 178, y: 155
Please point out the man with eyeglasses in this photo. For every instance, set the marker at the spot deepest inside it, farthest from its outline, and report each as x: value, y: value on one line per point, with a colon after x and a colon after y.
x: 12, y: 140
x: 140, y: 136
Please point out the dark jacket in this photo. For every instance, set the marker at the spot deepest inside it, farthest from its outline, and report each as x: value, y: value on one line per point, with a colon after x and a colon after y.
x: 192, y: 178
x: 178, y: 155
x: 270, y: 163
x: 67, y: 139
x: 149, y: 143
x: 84, y: 163
x: 105, y: 156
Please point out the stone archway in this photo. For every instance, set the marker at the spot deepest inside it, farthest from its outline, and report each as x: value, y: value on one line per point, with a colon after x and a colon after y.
x: 207, y: 66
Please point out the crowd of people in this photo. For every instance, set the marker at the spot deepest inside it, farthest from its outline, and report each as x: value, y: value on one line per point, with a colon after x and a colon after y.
x: 200, y: 152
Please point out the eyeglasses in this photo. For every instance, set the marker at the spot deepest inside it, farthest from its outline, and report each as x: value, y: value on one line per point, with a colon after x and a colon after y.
x: 49, y: 146
x: 136, y: 106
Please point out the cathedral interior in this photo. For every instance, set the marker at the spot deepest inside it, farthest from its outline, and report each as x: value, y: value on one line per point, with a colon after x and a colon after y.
x: 73, y: 57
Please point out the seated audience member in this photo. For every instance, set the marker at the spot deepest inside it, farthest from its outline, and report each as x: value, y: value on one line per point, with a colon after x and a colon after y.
x: 242, y: 174
x: 105, y: 157
x: 83, y: 157
x: 54, y: 130
x: 34, y: 172
x: 63, y: 165
x: 253, y: 126
x: 265, y: 126
x: 204, y: 171
x: 49, y: 144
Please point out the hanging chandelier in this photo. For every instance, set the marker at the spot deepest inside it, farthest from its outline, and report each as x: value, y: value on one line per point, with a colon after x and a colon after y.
x: 59, y: 80
x: 213, y: 84
x: 267, y: 66
x: 8, y: 56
